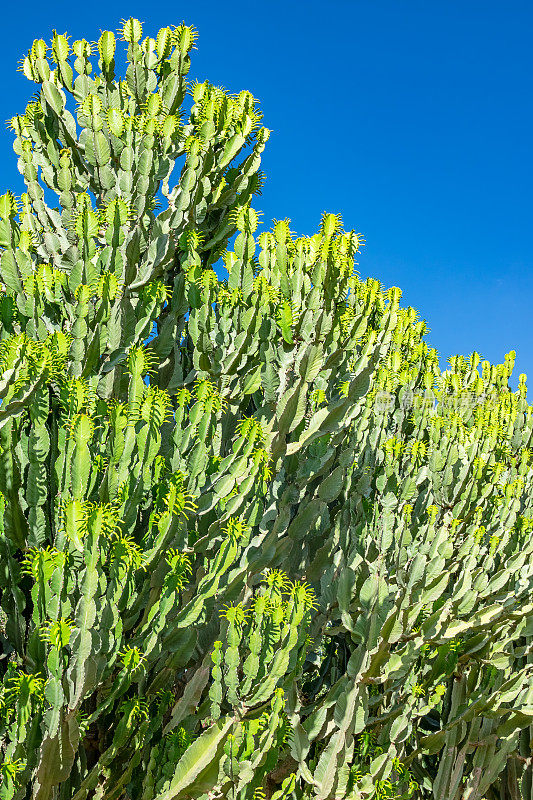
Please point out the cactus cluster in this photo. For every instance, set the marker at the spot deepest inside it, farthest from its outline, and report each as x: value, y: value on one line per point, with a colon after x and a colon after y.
x: 254, y: 542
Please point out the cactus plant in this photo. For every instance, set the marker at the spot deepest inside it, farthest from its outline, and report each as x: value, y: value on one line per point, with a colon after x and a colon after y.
x: 254, y: 542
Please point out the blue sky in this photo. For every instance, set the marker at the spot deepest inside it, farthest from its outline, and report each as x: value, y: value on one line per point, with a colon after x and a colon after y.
x: 411, y: 118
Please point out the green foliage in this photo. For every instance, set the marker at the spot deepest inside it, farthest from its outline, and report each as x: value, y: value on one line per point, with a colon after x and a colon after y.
x: 253, y: 542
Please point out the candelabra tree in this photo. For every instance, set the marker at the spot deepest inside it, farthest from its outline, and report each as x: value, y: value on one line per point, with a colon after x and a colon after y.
x: 254, y: 542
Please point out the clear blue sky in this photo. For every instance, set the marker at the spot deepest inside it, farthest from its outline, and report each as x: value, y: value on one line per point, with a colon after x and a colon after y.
x: 411, y: 118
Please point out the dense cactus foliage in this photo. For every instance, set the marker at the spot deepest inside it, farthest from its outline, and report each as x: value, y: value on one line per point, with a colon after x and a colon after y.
x: 253, y: 541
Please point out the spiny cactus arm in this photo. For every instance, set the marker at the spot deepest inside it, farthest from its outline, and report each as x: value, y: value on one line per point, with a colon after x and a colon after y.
x: 249, y: 753
x: 103, y: 770
x: 12, y: 597
x: 141, y: 718
x: 12, y: 406
x: 198, y: 758
x: 84, y: 646
x: 38, y: 449
x: 206, y: 588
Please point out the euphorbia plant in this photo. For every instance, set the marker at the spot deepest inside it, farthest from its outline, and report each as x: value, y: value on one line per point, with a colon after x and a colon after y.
x: 253, y: 541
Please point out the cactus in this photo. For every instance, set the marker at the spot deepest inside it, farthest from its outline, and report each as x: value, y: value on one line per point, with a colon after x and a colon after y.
x: 254, y: 542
